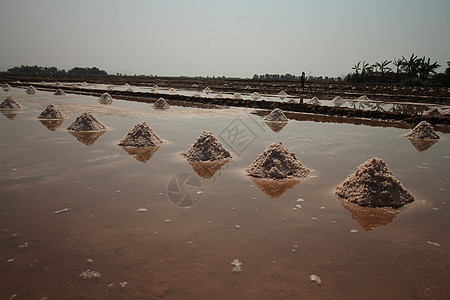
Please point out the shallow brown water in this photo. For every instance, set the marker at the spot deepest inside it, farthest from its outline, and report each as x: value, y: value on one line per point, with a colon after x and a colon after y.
x: 185, y: 253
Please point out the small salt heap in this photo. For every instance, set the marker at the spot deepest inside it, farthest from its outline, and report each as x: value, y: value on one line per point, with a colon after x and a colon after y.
x: 219, y: 96
x: 338, y: 101
x: 314, y: 101
x: 446, y: 112
x: 207, y: 90
x: 255, y: 96
x: 172, y: 90
x: 206, y: 148
x: 434, y: 112
x: 423, y: 131
x: 161, y: 103
x: 155, y: 88
x: 9, y: 104
x: 31, y: 90
x: 363, y: 98
x: 141, y: 136
x: 292, y: 101
x: 87, y: 122
x: 374, y: 185
x: 276, y: 115
x: 51, y: 113
x: 6, y: 87
x: 237, y: 96
x: 105, y: 98
x: 59, y: 92
x: 276, y: 162
x: 282, y: 95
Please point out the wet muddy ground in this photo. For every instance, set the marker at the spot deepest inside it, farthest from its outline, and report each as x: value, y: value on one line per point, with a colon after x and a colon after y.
x: 176, y: 249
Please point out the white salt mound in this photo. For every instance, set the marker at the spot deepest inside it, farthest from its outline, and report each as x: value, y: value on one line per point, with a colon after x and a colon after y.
x: 105, y: 98
x: 31, y: 90
x: 155, y: 88
x: 51, y: 113
x: 206, y: 148
x: 161, y: 103
x: 276, y: 115
x: 434, y: 112
x: 237, y: 96
x: 314, y: 100
x: 207, y: 90
x: 255, y: 96
x: 374, y: 185
x: 141, y: 136
x: 363, y: 98
x: 276, y: 162
x: 219, y: 96
x: 9, y: 104
x: 338, y: 101
x: 423, y: 131
x: 59, y: 92
x: 172, y: 90
x: 282, y: 95
x: 87, y: 122
x: 292, y: 101
x: 6, y: 87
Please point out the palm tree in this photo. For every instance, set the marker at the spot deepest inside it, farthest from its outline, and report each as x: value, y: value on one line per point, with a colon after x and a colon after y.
x: 398, y: 63
x: 357, y: 68
x: 426, y: 67
x: 383, y: 66
x: 412, y: 65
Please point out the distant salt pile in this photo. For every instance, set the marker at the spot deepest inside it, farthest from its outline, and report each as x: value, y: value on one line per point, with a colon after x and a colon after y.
x: 423, y: 130
x: 314, y: 101
x: 6, y: 87
x: 172, y: 90
x: 219, y: 96
x: 276, y: 115
x: 195, y: 85
x: 363, y: 98
x: 126, y: 85
x: 31, y: 90
x: 161, y: 103
x: 155, y: 88
x: 129, y: 89
x: 59, y: 92
x: 374, y: 185
x: 282, y: 95
x: 110, y: 88
x: 58, y: 84
x: 206, y: 148
x: 9, y: 104
x: 196, y: 95
x: 141, y: 136
x: 338, y: 101
x: 292, y: 101
x: 434, y: 112
x: 255, y: 96
x: 276, y: 162
x: 84, y: 83
x: 87, y: 122
x: 51, y: 113
x: 237, y: 96
x: 446, y: 112
x: 105, y: 98
x: 207, y: 90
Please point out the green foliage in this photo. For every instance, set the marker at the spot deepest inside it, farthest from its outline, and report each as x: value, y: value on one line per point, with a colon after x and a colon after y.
x: 87, y: 71
x: 53, y: 70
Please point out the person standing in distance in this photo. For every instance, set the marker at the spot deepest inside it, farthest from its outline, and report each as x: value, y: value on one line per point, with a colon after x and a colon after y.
x: 302, y: 80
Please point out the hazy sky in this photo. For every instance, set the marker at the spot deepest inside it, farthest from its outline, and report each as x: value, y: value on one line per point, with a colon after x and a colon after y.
x: 215, y: 38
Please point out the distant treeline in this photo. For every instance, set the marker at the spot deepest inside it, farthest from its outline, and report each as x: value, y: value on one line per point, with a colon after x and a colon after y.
x: 94, y: 71
x: 290, y: 77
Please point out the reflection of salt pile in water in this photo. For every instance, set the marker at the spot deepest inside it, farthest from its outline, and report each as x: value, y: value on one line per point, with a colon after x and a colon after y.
x: 51, y: 113
x: 255, y: 96
x: 59, y: 92
x: 142, y: 154
x: 9, y: 104
x: 207, y: 148
x: 161, y: 103
x: 31, y: 90
x: 276, y: 115
x: 6, y: 87
x: 434, y: 112
x: 207, y: 90
x: 282, y: 95
x: 106, y: 99
x: 87, y: 122
x: 338, y: 101
x: 363, y: 98
x: 274, y: 188
x: 141, y: 136
x: 155, y: 88
x: 51, y: 125
x: 423, y: 131
x: 446, y: 112
x: 237, y: 96
x: 314, y: 100
x: 207, y: 169
x: 276, y: 162
x: 374, y: 185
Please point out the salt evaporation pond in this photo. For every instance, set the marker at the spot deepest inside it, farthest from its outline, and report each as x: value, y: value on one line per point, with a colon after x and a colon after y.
x: 68, y: 210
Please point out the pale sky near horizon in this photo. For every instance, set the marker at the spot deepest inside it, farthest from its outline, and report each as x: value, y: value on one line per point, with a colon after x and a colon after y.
x: 221, y: 38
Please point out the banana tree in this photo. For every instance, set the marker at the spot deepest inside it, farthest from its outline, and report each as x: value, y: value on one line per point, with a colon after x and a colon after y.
x: 426, y: 68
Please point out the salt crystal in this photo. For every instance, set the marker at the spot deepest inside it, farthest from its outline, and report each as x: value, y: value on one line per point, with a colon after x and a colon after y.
x: 434, y: 244
x: 237, y: 226
x: 354, y: 231
x: 236, y: 265
x: 141, y: 210
x: 61, y: 211
x: 314, y: 278
x: 88, y: 274
x: 123, y: 284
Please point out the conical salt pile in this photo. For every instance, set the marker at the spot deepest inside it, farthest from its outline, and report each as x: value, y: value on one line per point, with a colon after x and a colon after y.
x: 338, y: 101
x: 31, y: 90
x: 374, y: 185
x: 6, y: 87
x: 237, y: 96
x: 434, y: 112
x: 219, y: 96
x: 292, y: 101
x: 206, y: 148
x: 423, y: 130
x: 276, y: 115
x: 276, y: 162
x: 10, y: 104
x: 282, y: 95
x: 255, y: 96
x: 87, y: 122
x: 51, y: 113
x: 59, y: 92
x: 314, y: 100
x: 141, y: 136
x: 105, y: 98
x: 172, y: 90
x: 155, y: 88
x: 161, y: 103
x: 207, y: 90
x: 363, y: 98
